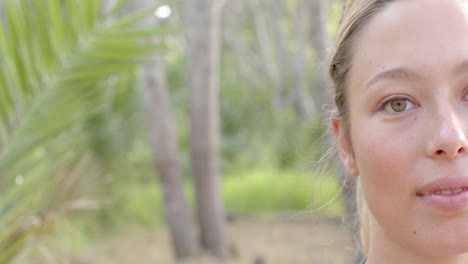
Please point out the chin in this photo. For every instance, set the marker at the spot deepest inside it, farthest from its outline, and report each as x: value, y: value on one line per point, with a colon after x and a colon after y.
x: 446, y: 239
x: 446, y: 250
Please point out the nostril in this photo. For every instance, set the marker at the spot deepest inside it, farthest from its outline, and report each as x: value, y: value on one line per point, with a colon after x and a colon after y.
x: 461, y: 150
x: 440, y: 152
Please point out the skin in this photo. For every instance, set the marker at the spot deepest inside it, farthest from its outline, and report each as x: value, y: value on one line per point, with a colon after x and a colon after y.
x: 397, y: 152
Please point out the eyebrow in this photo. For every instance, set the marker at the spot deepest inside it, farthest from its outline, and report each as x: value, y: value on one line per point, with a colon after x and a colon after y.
x: 402, y: 73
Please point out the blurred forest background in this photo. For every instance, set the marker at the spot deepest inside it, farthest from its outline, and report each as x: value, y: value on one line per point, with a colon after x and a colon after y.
x: 147, y: 131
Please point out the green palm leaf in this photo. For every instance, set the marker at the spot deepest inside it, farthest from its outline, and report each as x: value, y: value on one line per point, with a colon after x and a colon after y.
x: 60, y: 60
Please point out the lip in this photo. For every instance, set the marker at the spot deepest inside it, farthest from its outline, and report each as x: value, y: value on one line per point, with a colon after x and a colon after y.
x: 445, y: 202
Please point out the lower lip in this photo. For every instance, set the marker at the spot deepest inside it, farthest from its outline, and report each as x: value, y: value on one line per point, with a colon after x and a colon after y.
x: 447, y: 202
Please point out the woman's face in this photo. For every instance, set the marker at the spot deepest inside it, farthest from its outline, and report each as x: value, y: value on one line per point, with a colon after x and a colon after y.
x: 408, y: 105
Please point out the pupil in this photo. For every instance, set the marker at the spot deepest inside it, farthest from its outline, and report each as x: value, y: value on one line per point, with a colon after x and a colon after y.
x: 399, y: 105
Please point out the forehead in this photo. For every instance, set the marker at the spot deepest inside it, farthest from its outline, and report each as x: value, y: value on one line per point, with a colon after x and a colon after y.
x: 426, y: 35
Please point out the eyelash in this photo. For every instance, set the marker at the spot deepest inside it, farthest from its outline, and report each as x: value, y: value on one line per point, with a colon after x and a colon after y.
x: 388, y: 100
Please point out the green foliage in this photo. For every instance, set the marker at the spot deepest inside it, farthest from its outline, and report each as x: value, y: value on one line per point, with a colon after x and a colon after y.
x: 270, y: 191
x: 306, y: 145
x: 130, y: 193
x: 138, y: 203
x: 336, y: 10
x: 259, y: 131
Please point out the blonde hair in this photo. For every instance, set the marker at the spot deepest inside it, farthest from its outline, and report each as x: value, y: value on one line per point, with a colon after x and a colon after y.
x: 355, y: 15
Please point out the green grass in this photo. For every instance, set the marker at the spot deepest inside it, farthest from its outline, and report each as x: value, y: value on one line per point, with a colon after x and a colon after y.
x: 253, y: 191
x: 134, y: 205
x: 270, y: 191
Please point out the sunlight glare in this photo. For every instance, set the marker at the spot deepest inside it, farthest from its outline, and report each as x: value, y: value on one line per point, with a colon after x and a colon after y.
x: 19, y: 179
x: 163, y: 12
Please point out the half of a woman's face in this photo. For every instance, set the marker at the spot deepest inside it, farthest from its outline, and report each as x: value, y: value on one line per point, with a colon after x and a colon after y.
x: 408, y: 104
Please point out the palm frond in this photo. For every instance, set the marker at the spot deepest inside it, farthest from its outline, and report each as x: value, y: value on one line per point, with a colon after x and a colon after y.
x: 59, y: 62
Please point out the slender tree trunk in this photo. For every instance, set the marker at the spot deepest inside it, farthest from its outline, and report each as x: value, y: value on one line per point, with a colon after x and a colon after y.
x: 160, y: 122
x: 300, y: 96
x: 106, y: 6
x: 233, y: 26
x: 258, y: 12
x: 264, y: 32
x: 282, y: 55
x: 203, y: 47
x: 320, y: 43
x: 162, y: 132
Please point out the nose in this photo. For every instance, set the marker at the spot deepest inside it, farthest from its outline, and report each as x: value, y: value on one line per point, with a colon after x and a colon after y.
x: 449, y: 137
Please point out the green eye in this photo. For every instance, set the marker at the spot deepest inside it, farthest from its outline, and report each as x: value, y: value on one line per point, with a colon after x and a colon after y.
x: 399, y: 105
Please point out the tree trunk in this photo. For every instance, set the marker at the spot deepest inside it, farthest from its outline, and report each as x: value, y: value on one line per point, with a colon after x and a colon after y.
x: 203, y: 47
x: 282, y: 56
x: 300, y: 103
x: 161, y: 128
x: 106, y: 6
x: 320, y: 44
x: 166, y: 154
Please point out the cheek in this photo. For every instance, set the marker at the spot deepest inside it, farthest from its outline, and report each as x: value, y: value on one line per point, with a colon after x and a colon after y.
x: 386, y: 163
x: 384, y: 156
